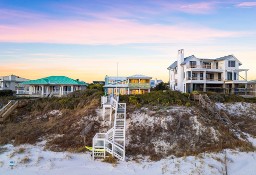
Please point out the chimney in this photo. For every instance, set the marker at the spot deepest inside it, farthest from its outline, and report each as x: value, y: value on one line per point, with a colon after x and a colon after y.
x: 180, y: 70
x: 180, y: 56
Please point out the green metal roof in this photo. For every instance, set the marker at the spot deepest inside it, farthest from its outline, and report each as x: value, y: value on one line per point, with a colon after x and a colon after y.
x: 59, y: 80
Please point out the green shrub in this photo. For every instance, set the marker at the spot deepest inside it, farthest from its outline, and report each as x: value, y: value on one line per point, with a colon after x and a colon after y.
x: 133, y: 100
x: 155, y: 98
x: 188, y: 104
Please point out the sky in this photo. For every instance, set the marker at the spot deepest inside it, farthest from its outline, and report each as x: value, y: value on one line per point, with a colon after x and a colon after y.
x: 86, y: 39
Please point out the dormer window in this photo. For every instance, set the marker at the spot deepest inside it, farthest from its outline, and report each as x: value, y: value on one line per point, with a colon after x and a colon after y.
x: 231, y: 64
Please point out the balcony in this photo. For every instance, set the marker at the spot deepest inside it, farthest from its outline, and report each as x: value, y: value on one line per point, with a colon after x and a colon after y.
x: 201, y: 79
x: 203, y: 67
x: 139, y: 85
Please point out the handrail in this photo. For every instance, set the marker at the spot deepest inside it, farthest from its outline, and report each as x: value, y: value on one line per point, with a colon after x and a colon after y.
x: 99, y: 136
x: 119, y: 146
x: 6, y: 107
x: 106, y: 140
x: 203, y: 67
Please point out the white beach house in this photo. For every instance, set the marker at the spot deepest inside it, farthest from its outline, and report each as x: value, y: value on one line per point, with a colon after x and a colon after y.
x: 203, y: 74
x: 12, y: 82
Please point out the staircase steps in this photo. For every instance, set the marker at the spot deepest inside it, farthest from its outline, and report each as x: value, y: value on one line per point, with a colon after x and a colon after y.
x: 209, y: 106
x: 112, y: 142
x: 7, y: 110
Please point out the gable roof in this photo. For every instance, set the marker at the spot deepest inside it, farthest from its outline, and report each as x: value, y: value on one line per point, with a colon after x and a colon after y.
x: 187, y: 59
x: 55, y: 80
x: 174, y: 64
x: 227, y: 58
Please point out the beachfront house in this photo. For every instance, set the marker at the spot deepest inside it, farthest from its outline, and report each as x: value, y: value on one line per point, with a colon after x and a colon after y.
x: 136, y: 84
x: 222, y: 74
x: 53, y: 86
x: 12, y: 82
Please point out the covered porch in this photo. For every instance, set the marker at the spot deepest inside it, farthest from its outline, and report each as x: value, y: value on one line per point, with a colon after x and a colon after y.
x: 51, y: 90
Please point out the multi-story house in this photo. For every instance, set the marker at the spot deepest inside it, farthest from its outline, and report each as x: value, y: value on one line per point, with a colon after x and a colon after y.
x: 11, y: 82
x: 136, y: 84
x: 196, y: 74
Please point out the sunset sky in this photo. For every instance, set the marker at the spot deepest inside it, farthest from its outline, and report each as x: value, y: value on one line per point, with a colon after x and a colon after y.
x: 85, y: 39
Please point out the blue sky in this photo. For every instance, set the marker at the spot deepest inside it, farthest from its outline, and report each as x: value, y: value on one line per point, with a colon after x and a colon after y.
x: 85, y: 39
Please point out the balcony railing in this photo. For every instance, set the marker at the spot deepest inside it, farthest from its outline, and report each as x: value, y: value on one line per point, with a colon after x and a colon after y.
x: 201, y: 78
x: 203, y: 67
x: 139, y: 85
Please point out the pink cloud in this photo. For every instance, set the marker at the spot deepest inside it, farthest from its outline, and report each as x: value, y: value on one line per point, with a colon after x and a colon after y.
x: 194, y: 8
x: 107, y: 32
x: 247, y: 4
x: 202, y: 7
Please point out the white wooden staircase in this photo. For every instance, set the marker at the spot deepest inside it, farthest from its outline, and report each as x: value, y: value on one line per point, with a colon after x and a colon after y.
x: 218, y: 114
x: 113, y: 141
x: 7, y: 110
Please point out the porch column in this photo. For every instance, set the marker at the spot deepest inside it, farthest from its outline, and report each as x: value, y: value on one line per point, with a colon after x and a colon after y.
x: 191, y: 87
x: 204, y: 75
x: 128, y: 91
x: 204, y: 78
x: 72, y: 88
x: 42, y: 92
x: 233, y: 88
x: 61, y: 89
x: 47, y: 90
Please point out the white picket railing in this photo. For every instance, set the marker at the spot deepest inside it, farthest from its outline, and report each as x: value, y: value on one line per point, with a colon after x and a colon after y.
x: 113, y: 141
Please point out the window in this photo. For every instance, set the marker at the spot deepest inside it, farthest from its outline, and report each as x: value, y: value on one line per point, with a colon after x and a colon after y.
x: 209, y: 76
x: 193, y: 64
x: 234, y: 75
x: 219, y: 76
x: 229, y: 75
x: 231, y: 64
x: 134, y: 81
x: 206, y: 65
x: 217, y: 65
x: 189, y: 75
x: 212, y: 76
x: 201, y: 76
x: 194, y: 76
